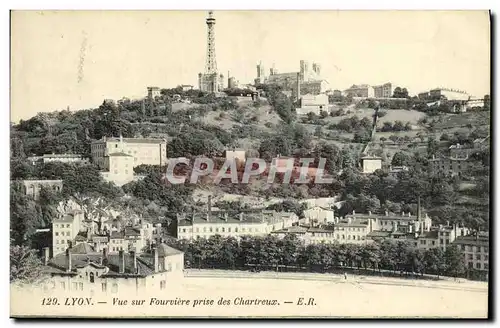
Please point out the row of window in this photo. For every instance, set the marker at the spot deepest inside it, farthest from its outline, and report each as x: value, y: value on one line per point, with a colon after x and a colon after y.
x: 63, y: 233
x: 62, y: 241
x: 338, y: 236
x: 478, y: 265
x: 478, y: 257
x: 211, y: 229
x: 62, y: 225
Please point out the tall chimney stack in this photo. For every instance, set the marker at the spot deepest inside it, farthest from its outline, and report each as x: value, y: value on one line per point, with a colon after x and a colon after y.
x: 68, y: 259
x: 156, y: 261
x: 46, y: 255
x: 209, y: 205
x: 121, y: 260
x: 298, y: 86
x: 134, y: 260
x: 418, y: 208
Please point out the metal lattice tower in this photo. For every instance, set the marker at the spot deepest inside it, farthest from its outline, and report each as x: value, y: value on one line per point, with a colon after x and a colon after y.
x: 211, y: 64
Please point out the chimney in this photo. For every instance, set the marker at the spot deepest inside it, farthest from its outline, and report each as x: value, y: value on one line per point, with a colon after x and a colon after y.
x: 409, y: 214
x: 370, y: 213
x: 298, y: 86
x: 403, y: 214
x: 68, y: 259
x: 121, y: 261
x: 353, y: 212
x: 225, y: 216
x: 419, y: 210
x: 156, y: 261
x: 134, y: 260
x: 386, y: 213
x: 241, y: 216
x: 45, y: 255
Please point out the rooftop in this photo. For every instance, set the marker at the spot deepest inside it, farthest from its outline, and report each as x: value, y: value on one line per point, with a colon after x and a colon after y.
x: 121, y: 154
x: 61, y: 155
x: 65, y: 219
x: 232, y: 217
x: 85, y: 255
x: 131, y: 140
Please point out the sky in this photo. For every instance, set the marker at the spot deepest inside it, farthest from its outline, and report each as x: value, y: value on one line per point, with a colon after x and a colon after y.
x: 79, y: 58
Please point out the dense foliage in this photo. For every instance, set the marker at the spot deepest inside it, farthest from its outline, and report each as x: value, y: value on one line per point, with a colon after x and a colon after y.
x: 289, y: 253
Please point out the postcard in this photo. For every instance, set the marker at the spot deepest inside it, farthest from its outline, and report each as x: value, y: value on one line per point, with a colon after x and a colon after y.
x: 250, y: 164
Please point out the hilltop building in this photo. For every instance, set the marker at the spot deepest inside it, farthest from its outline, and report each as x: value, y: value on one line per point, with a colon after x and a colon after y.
x: 153, y: 92
x: 147, y: 151
x: 370, y: 164
x: 32, y: 188
x: 61, y: 158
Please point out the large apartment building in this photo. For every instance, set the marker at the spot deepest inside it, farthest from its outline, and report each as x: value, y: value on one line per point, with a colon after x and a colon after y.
x: 476, y: 251
x: 233, y: 224
x: 148, y: 151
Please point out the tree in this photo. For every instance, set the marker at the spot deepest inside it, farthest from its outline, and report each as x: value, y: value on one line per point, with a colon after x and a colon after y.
x: 362, y: 136
x: 25, y: 266
x: 318, y: 132
x: 24, y: 216
x: 401, y: 159
x: 454, y: 260
x: 400, y: 93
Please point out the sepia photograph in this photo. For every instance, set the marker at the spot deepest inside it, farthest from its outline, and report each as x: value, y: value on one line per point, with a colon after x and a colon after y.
x: 250, y: 164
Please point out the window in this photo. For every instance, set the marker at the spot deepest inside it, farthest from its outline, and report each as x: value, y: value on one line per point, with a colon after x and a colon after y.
x: 223, y: 230
x: 92, y: 277
x: 67, y: 225
x: 422, y: 242
x: 236, y: 229
x: 471, y: 257
x: 169, y: 267
x: 211, y: 229
x: 478, y: 265
x: 104, y: 286
x: 485, y: 249
x: 81, y: 285
x: 184, y: 230
x: 114, y: 288
x: 463, y: 248
x: 63, y: 285
x: 197, y: 229
x: 74, y: 286
x: 440, y: 241
x: 433, y: 242
x: 228, y: 229
x: 486, y: 266
x: 57, y: 233
x: 478, y: 257
x: 163, y: 283
x: 216, y: 229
